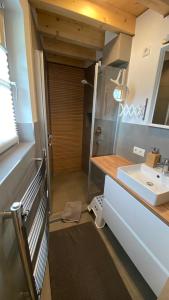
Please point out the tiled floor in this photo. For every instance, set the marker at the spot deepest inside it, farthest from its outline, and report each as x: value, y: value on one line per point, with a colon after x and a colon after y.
x: 68, y: 187
x: 74, y: 187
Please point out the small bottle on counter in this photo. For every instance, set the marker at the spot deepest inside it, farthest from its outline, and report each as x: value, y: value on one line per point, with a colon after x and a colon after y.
x: 153, y: 157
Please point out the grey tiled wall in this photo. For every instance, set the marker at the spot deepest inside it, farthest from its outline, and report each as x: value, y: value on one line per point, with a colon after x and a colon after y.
x: 31, y: 132
x: 131, y: 135
x: 25, y: 132
x: 103, y: 144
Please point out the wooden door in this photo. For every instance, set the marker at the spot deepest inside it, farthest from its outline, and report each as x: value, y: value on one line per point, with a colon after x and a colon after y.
x: 66, y: 116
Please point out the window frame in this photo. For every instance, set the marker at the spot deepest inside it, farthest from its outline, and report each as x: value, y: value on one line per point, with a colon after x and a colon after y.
x: 4, y: 146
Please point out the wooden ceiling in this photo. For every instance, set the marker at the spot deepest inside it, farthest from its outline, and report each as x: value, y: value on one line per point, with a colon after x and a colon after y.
x: 133, y: 7
x: 73, y: 30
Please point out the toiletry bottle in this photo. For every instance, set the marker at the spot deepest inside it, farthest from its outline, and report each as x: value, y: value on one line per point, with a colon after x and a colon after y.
x: 153, y: 157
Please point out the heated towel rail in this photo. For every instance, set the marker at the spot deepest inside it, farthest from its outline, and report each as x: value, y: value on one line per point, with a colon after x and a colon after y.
x: 30, y: 218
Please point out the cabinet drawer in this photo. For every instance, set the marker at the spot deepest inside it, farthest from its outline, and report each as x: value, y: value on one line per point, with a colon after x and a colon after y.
x: 147, y: 264
x: 148, y: 227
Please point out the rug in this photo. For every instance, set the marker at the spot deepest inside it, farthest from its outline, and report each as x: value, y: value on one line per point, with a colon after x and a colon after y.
x: 72, y: 211
x: 81, y: 267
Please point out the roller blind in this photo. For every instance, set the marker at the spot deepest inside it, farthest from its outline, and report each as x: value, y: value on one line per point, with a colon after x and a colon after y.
x: 8, y: 132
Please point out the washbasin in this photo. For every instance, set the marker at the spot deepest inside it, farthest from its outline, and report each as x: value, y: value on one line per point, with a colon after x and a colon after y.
x: 149, y: 183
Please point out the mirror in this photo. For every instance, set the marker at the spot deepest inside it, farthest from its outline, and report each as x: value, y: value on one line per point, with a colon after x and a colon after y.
x: 118, y: 94
x: 161, y: 107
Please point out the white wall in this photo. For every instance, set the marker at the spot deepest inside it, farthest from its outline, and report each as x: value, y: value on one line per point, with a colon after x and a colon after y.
x: 151, y: 29
x: 109, y: 36
x: 15, y: 37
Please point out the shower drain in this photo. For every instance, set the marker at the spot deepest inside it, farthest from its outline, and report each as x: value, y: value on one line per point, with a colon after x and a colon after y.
x: 149, y: 183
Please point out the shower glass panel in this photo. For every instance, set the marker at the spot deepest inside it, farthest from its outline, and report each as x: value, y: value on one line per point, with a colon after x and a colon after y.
x: 104, y: 124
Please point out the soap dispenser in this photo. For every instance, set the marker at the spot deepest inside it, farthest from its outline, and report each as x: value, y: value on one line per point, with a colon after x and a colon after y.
x: 153, y: 157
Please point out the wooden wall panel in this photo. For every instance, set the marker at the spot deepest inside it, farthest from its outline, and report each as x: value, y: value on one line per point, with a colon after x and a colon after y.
x: 66, y: 116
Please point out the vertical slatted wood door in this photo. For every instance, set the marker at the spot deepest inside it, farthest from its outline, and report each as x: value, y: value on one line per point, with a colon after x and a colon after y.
x: 66, y: 116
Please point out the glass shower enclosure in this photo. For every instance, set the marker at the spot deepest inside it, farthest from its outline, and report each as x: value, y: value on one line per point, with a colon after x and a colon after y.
x: 105, y: 119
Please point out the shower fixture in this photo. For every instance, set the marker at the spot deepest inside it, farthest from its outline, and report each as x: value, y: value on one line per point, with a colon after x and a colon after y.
x: 85, y: 82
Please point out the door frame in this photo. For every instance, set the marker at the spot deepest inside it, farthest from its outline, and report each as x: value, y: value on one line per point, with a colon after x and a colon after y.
x: 43, y: 118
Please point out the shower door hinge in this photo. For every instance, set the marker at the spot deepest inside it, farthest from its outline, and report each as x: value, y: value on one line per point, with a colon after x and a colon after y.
x: 2, y: 5
x: 50, y: 140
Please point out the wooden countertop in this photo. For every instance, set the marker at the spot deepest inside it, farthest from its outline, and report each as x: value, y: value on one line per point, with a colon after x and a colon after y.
x: 109, y: 164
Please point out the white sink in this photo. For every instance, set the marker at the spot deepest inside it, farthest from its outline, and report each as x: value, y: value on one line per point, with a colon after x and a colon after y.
x: 149, y: 183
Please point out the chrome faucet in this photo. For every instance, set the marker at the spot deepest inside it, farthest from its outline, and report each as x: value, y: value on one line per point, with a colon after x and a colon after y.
x: 165, y: 166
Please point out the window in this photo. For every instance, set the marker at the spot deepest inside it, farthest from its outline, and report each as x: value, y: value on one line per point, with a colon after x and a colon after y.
x: 8, y: 133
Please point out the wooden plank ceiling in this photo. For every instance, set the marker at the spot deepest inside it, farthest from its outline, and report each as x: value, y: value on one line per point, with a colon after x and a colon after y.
x: 72, y: 31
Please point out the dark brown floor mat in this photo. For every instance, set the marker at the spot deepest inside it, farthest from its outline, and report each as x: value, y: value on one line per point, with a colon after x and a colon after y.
x: 81, y: 267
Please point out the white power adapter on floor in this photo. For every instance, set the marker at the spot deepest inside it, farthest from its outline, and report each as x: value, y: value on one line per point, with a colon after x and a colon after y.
x: 96, y: 206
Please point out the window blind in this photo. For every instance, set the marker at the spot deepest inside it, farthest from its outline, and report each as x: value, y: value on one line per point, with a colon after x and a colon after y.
x: 8, y: 132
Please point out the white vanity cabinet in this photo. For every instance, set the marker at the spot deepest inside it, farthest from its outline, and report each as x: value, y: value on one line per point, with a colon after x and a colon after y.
x: 144, y: 237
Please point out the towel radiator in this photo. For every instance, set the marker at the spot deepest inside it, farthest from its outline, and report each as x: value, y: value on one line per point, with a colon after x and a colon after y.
x: 30, y: 219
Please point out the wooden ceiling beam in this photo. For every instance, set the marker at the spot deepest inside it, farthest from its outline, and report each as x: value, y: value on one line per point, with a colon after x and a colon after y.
x: 67, y: 49
x: 165, y: 1
x: 131, y: 6
x: 69, y: 30
x: 90, y: 13
x: 68, y: 61
x: 160, y: 6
